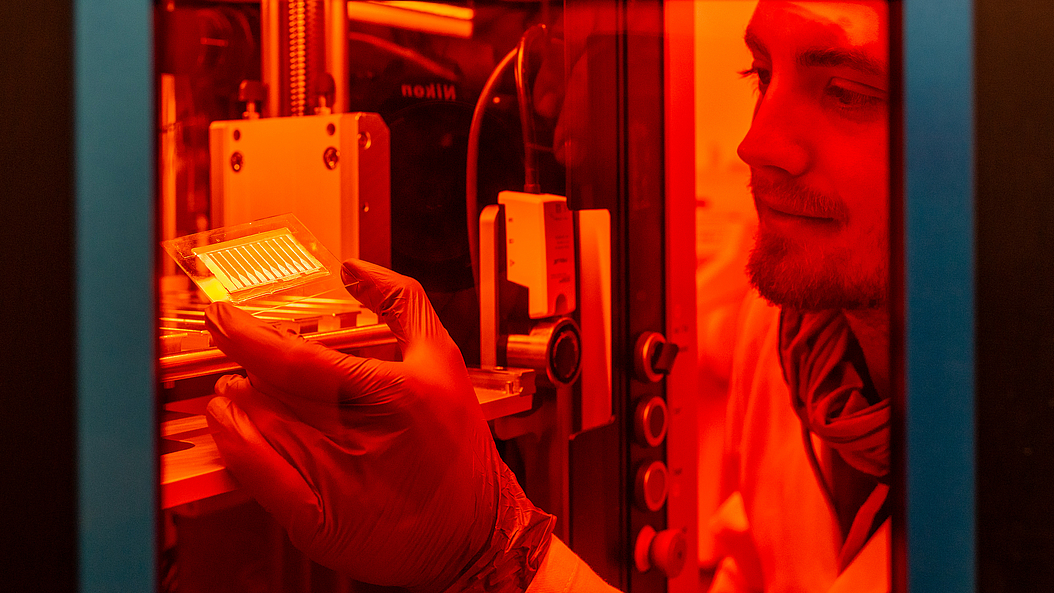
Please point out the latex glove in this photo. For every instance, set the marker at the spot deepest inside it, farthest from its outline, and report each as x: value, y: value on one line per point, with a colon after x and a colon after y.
x: 385, y: 471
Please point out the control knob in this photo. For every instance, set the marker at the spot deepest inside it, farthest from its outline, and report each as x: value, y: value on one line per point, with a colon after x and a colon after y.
x: 653, y: 356
x: 666, y: 550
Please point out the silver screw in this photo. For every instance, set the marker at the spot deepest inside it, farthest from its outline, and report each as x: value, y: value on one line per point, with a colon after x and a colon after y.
x: 331, y: 157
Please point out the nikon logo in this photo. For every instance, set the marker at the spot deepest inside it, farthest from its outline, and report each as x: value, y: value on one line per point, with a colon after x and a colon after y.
x: 445, y: 92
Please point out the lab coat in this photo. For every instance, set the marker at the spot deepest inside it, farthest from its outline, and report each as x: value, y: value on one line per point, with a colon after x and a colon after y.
x: 776, y: 531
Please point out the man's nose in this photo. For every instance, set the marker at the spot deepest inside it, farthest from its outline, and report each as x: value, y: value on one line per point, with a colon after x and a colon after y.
x: 775, y: 139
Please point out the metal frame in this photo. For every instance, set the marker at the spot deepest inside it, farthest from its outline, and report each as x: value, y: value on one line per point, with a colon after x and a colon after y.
x: 115, y: 244
x: 682, y: 441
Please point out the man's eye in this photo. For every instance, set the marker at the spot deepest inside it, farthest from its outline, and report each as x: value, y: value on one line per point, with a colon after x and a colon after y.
x: 762, y: 77
x: 855, y: 100
x: 850, y: 98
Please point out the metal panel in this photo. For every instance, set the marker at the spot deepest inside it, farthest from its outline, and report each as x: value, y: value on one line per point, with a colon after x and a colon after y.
x: 282, y: 167
x: 682, y: 389
x: 938, y: 378
x: 115, y: 246
x: 645, y: 240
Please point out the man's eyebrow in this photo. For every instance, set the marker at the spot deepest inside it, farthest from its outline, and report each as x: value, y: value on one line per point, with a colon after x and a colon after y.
x: 837, y: 57
x: 754, y: 44
x: 824, y: 57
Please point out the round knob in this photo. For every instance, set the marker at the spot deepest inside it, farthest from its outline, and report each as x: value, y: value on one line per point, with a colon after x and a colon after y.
x: 653, y: 356
x: 552, y: 348
x: 669, y: 551
x: 644, y: 353
x: 650, y: 422
x: 565, y: 355
x: 252, y: 90
x: 651, y: 486
x: 666, y: 550
x: 641, y: 547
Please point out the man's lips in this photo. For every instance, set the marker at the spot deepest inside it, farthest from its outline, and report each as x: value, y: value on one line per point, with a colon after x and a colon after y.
x: 793, y: 211
x: 791, y: 202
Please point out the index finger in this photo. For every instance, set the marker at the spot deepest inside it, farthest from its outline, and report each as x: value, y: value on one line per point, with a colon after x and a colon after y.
x: 398, y: 301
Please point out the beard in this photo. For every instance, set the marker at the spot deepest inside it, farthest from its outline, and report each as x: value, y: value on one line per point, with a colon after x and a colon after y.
x: 813, y: 277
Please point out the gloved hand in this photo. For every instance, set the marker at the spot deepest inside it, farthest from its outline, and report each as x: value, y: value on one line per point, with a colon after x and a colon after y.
x: 385, y: 471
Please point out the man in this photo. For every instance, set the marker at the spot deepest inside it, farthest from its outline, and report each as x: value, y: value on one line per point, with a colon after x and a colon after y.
x: 808, y: 442
x: 386, y: 471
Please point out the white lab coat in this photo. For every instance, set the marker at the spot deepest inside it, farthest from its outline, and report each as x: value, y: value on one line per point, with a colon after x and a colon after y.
x: 776, y: 532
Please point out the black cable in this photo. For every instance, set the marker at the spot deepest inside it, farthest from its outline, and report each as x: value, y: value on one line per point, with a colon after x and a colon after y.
x: 530, y: 151
x: 472, y: 162
x: 523, y: 96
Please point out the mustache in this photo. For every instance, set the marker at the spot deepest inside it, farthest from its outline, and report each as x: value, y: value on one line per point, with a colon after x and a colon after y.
x: 793, y: 197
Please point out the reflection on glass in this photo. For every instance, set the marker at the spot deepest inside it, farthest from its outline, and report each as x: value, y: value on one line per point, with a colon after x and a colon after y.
x: 793, y: 250
x: 793, y: 246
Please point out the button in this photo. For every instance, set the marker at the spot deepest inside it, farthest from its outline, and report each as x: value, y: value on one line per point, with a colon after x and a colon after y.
x: 650, y: 422
x: 651, y: 486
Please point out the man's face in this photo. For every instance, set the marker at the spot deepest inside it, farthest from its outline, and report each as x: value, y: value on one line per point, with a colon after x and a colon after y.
x: 818, y: 153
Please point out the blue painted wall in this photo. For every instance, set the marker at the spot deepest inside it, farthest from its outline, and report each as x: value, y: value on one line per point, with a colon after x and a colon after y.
x: 113, y: 156
x: 939, y: 285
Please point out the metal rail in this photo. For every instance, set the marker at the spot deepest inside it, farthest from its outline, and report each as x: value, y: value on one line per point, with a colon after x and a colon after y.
x: 187, y: 365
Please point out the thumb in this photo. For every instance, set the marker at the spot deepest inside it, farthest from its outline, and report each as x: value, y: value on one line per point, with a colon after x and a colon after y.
x: 263, y: 472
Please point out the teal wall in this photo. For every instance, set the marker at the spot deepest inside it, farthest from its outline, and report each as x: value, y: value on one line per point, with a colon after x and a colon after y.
x: 939, y: 289
x: 114, y: 227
